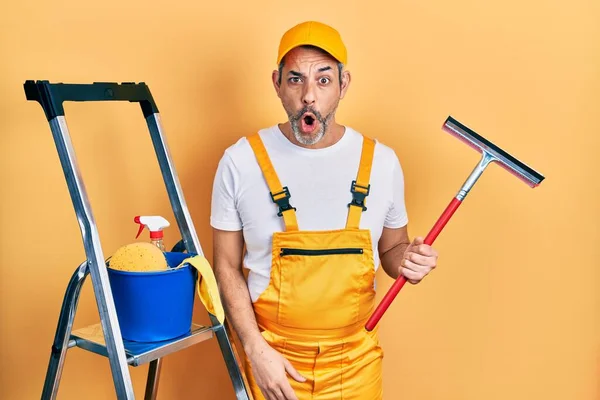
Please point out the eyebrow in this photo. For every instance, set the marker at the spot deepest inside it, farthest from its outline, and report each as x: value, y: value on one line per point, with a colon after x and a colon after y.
x: 301, y: 75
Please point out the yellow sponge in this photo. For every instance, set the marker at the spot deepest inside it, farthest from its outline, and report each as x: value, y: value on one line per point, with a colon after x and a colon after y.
x: 138, y: 257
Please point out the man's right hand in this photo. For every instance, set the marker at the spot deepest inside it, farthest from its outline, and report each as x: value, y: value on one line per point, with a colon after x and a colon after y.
x: 269, y: 369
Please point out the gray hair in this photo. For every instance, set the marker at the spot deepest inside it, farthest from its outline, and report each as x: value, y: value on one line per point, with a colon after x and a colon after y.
x: 282, y: 63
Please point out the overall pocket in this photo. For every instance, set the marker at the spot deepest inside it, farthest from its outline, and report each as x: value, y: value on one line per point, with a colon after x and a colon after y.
x: 320, y: 288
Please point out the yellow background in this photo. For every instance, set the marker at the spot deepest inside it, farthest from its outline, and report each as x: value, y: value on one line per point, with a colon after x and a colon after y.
x: 513, y: 310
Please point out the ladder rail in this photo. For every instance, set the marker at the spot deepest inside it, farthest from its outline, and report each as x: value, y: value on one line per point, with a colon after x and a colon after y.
x: 95, y: 258
x: 63, y: 332
x: 236, y: 372
x: 172, y: 184
x: 152, y: 381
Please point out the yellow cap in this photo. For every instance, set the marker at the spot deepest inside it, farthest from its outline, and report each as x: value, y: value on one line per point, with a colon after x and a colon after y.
x: 315, y: 34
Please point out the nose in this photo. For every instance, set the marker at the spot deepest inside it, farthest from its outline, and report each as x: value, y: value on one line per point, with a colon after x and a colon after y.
x: 309, y: 95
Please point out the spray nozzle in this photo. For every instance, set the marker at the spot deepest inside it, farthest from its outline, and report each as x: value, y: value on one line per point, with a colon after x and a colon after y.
x: 155, y: 225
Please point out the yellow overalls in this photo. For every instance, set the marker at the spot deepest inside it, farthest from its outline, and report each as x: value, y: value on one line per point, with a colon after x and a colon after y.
x: 320, y: 295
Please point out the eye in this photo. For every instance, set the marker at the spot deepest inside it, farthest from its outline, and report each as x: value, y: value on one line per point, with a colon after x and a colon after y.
x: 324, y: 80
x: 295, y: 79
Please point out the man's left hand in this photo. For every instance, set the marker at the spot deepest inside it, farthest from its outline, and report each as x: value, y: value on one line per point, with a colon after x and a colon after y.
x: 419, y: 259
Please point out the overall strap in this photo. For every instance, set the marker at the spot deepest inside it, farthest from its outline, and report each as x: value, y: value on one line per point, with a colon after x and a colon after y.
x: 361, y: 187
x: 280, y: 195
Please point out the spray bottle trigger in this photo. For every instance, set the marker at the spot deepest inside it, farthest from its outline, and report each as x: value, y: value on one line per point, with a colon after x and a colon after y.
x: 137, y: 221
x: 140, y: 231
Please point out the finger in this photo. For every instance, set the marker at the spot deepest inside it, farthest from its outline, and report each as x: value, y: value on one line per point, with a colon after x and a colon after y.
x: 424, y: 250
x: 292, y: 371
x: 407, y: 264
x: 418, y: 241
x: 288, y: 392
x: 419, y: 259
x: 410, y: 275
x: 413, y: 275
x: 267, y: 393
x: 276, y: 394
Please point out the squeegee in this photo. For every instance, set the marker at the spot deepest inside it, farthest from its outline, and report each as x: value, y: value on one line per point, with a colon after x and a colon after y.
x: 489, y: 153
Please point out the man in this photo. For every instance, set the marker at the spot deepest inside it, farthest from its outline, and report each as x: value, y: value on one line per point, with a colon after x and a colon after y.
x: 317, y: 206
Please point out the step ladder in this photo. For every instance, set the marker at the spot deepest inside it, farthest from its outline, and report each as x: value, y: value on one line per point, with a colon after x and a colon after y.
x: 105, y: 338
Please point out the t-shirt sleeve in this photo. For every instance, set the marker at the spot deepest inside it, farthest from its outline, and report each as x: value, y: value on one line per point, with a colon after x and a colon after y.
x: 397, y: 216
x: 224, y: 212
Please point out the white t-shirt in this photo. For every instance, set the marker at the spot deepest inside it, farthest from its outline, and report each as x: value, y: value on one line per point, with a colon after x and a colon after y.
x: 319, y: 182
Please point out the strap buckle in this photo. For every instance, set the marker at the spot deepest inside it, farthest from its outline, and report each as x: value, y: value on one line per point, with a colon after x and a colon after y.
x: 358, y: 198
x: 283, y: 202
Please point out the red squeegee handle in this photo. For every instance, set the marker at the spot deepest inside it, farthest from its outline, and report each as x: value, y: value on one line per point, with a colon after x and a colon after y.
x: 401, y: 280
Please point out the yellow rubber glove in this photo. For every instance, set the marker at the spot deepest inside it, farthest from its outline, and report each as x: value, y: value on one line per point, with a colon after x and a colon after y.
x: 206, y: 286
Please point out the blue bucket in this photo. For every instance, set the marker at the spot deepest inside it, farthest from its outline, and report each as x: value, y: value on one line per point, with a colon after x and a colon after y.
x: 155, y: 306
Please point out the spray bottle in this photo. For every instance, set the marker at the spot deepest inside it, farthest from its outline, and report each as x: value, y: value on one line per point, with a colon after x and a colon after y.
x: 155, y: 225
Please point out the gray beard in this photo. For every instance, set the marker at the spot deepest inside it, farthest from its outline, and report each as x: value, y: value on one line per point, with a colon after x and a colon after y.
x: 309, y: 140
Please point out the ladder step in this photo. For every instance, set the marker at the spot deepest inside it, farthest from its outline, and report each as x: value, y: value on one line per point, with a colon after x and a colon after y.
x: 91, y: 338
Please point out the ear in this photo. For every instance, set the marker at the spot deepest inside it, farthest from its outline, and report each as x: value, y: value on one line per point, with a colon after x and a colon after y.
x: 346, y: 78
x: 275, y: 78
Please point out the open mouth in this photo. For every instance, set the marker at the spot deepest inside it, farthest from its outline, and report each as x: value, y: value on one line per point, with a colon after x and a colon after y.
x: 309, y: 120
